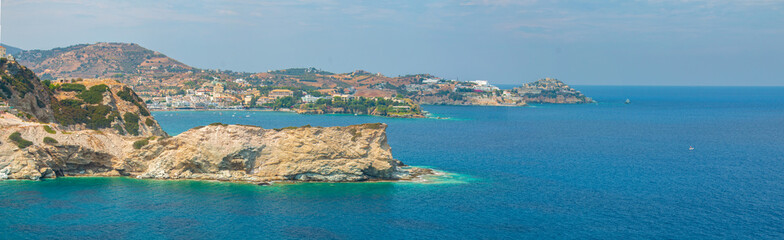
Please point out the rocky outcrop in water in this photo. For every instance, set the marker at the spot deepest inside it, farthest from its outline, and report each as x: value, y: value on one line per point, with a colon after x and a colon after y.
x: 249, y: 153
x: 215, y: 152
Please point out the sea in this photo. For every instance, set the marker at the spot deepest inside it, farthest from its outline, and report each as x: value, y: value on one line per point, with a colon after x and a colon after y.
x: 674, y: 163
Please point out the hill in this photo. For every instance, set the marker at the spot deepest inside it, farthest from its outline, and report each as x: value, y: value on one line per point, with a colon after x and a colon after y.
x: 100, y: 60
x: 155, y: 76
x: 140, y: 67
x: 104, y: 105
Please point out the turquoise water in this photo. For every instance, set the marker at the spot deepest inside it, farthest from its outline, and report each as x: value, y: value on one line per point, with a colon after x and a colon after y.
x: 606, y: 170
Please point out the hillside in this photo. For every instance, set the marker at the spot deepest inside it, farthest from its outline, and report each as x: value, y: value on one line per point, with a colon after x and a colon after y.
x: 104, y: 105
x: 98, y: 60
x: 152, y: 71
x: 156, y: 77
x: 21, y: 89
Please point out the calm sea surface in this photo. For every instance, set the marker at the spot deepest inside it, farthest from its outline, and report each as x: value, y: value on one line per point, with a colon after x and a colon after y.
x: 606, y: 170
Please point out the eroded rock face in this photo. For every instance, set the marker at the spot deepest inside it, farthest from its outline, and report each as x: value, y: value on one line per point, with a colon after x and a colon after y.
x: 226, y: 152
x: 215, y: 152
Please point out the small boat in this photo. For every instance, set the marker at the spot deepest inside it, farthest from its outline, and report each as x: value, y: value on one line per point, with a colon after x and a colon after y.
x: 691, y: 148
x: 628, y: 101
x: 247, y: 116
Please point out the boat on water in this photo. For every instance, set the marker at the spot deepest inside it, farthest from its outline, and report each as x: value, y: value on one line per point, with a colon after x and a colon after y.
x: 628, y: 101
x: 691, y: 148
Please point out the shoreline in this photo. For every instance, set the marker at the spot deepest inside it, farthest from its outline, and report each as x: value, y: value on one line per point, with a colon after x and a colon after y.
x: 281, y: 111
x: 435, y: 177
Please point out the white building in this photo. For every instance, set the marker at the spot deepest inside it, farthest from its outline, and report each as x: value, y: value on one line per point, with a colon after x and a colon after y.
x: 480, y: 82
x: 310, y: 98
x: 430, y: 81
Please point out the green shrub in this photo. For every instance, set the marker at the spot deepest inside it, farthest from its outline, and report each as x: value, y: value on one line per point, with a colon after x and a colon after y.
x: 69, y: 112
x: 125, y: 94
x: 131, y: 123
x: 91, y: 97
x: 119, y: 129
x: 101, y: 88
x: 72, y: 87
x: 149, y: 122
x: 142, y: 109
x: 49, y: 129
x: 15, y: 137
x: 97, y: 117
x: 20, y: 142
x: 141, y: 143
x: 71, y: 102
x: 218, y: 124
x: 50, y: 141
x: 40, y: 103
x: 94, y: 95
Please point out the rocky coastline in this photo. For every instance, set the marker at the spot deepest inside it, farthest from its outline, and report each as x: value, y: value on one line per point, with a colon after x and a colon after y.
x: 47, y: 135
x: 215, y: 152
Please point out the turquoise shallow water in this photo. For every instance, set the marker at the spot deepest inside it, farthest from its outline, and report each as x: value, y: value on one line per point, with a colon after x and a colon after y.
x: 606, y: 170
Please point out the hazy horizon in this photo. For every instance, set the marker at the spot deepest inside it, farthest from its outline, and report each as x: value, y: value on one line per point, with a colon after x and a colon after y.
x: 639, y: 43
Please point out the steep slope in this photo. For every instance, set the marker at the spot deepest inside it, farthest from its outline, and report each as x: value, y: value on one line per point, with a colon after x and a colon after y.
x: 21, y: 89
x: 97, y: 60
x: 102, y: 105
x: 89, y: 104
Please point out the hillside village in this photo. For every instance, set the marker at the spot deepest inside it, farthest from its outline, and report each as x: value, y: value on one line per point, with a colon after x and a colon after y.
x: 167, y: 84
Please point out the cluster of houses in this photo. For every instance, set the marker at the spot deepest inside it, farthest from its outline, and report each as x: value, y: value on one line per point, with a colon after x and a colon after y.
x: 214, y: 95
x: 432, y: 85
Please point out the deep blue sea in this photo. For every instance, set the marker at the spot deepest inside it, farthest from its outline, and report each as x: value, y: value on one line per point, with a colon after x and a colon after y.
x: 603, y: 171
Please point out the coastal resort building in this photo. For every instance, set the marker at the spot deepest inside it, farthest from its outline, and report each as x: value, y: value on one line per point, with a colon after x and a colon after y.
x: 310, y: 98
x: 248, y: 99
x: 280, y: 93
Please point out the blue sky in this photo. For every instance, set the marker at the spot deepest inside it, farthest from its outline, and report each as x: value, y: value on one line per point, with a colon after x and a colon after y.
x: 633, y: 42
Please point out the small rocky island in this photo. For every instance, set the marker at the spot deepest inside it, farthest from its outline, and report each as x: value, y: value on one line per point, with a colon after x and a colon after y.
x: 102, y: 128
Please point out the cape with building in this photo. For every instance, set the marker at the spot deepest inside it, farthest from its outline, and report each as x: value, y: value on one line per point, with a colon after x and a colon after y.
x: 166, y: 84
x: 103, y: 128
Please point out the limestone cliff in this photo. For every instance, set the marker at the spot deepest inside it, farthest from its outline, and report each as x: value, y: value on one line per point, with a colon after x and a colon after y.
x: 214, y: 152
x: 249, y: 153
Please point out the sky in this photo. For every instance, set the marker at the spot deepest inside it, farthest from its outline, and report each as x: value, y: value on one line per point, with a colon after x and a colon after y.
x: 602, y: 42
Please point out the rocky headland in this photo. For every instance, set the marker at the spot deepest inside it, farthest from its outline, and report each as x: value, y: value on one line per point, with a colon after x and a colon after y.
x: 104, y: 129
